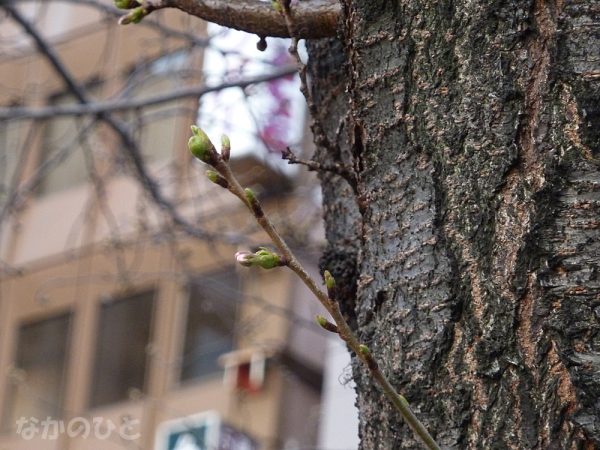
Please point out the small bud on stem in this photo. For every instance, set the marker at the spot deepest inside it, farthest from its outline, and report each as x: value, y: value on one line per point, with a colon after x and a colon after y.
x: 264, y: 258
x: 135, y: 16
x: 326, y: 324
x: 250, y: 196
x: 217, y: 179
x: 330, y: 284
x: 126, y: 4
x: 225, y: 147
x: 329, y: 280
x: 201, y: 146
x: 277, y: 6
x: 253, y: 203
x: 366, y: 353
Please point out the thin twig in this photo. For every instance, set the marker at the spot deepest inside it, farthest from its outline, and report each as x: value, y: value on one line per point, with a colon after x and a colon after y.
x: 335, y: 168
x: 320, y: 136
x: 119, y: 127
x: 165, y: 31
x: 96, y: 108
x: 204, y: 149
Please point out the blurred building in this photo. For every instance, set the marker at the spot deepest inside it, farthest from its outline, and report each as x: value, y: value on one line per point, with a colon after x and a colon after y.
x: 118, y: 330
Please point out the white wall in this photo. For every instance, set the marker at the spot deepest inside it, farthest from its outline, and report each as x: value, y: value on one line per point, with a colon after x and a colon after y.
x: 339, y: 416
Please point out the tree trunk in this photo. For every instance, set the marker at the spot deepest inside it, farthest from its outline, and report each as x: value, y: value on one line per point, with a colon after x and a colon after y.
x: 469, y: 254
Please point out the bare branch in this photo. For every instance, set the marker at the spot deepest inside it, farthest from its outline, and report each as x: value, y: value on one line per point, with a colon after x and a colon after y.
x: 129, y: 104
x: 19, y: 194
x: 316, y: 127
x: 312, y: 18
x: 119, y: 127
x: 150, y: 23
x: 336, y: 168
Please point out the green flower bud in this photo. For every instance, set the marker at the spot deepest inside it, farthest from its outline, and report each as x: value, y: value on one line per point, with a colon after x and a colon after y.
x: 225, y: 147
x: 212, y: 175
x: 201, y: 146
x: 125, y: 4
x: 253, y: 203
x: 262, y: 258
x: 216, y: 178
x: 276, y: 6
x: 250, y: 196
x: 267, y: 259
x: 326, y: 324
x: 364, y: 349
x: 136, y: 15
x: 329, y: 280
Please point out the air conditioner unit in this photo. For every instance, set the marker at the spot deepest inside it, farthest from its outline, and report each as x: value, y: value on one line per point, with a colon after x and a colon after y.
x: 244, y: 370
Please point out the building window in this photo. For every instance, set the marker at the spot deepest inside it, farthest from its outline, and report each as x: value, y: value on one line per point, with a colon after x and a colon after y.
x: 121, y: 359
x: 11, y: 141
x: 210, y: 327
x: 156, y: 126
x: 65, y: 141
x: 37, y: 384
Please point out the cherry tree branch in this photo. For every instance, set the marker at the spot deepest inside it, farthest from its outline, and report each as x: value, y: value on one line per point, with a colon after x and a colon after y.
x: 312, y: 18
x: 203, y: 149
x: 96, y: 108
x: 164, y: 30
x: 336, y: 168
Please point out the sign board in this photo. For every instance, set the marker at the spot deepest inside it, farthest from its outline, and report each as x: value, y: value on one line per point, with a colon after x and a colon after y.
x: 204, y: 431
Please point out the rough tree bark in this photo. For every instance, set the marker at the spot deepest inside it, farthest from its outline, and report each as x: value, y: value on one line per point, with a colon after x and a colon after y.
x: 470, y: 254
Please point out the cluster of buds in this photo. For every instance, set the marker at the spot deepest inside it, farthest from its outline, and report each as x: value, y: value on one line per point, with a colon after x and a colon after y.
x: 264, y: 258
x: 202, y: 147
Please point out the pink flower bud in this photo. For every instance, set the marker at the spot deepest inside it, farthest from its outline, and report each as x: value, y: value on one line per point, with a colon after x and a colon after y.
x: 246, y: 259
